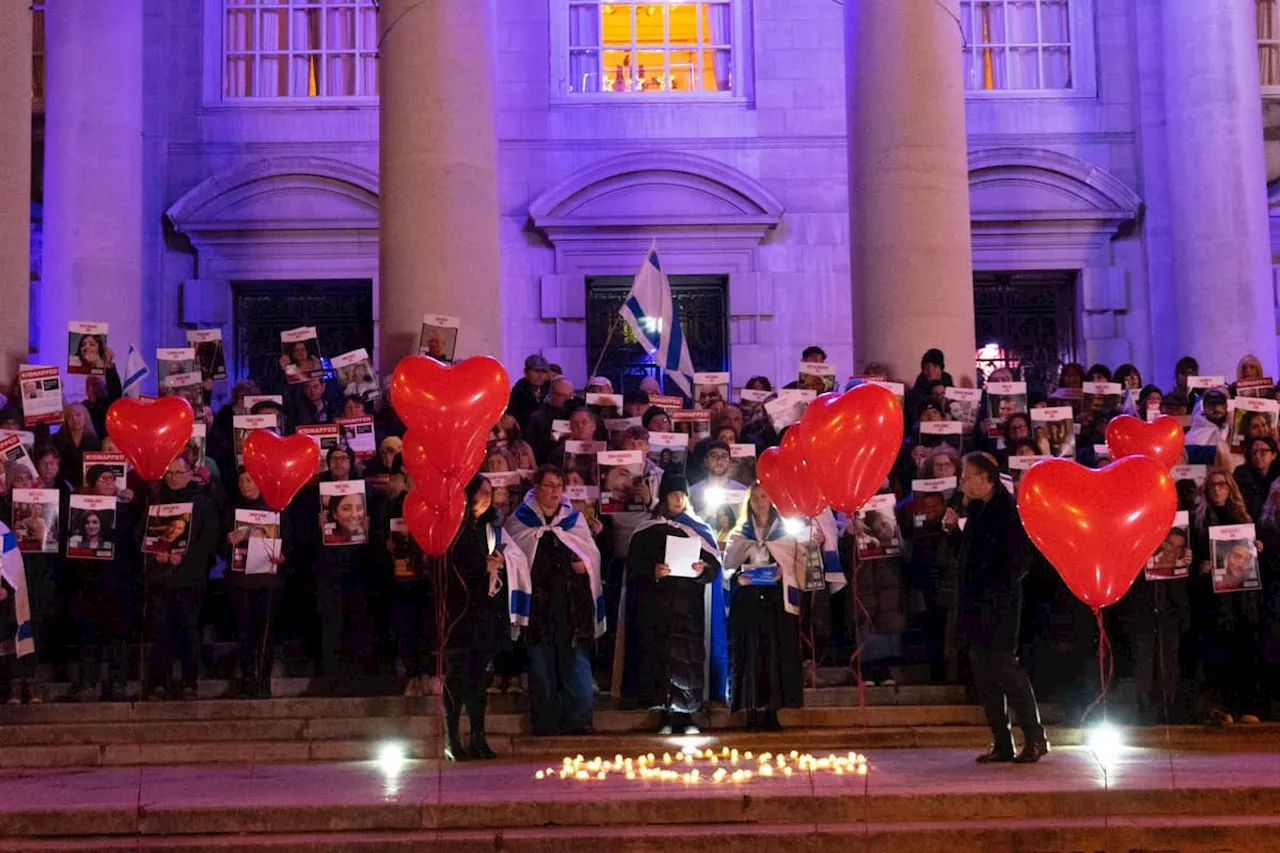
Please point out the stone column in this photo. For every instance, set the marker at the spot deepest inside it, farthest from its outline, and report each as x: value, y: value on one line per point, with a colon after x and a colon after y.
x: 909, y: 235
x: 438, y: 224
x: 1217, y: 185
x: 94, y: 228
x: 15, y: 182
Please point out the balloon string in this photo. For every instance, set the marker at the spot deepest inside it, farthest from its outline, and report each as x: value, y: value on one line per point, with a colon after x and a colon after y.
x: 859, y: 610
x: 1106, y: 667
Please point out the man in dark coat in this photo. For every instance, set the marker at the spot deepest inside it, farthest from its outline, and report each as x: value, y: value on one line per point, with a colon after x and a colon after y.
x: 666, y: 665
x: 528, y: 393
x: 994, y: 555
x: 558, y: 406
x: 932, y: 374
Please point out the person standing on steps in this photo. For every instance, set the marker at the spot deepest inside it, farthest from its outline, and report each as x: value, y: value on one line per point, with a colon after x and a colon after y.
x: 994, y: 555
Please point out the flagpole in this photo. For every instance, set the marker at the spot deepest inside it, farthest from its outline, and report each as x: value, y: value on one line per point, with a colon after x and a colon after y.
x: 613, y: 327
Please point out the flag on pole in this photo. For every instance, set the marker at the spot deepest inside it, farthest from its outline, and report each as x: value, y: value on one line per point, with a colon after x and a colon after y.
x: 650, y: 311
x: 135, y: 370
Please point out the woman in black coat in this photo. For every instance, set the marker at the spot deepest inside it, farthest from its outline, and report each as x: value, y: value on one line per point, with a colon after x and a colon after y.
x: 475, y: 596
x: 1261, y: 468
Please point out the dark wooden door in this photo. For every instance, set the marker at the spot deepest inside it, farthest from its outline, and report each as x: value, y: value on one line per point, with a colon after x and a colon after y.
x: 341, y: 310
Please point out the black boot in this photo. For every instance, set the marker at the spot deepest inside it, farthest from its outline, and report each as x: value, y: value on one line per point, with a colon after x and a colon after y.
x: 453, y: 750
x: 769, y: 721
x: 479, y: 745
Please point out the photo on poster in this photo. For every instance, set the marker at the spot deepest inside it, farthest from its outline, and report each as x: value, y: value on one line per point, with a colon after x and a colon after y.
x: 439, y: 339
x: 91, y: 527
x: 710, y: 391
x: 751, y: 401
x: 196, y: 446
x: 188, y: 386
x: 695, y: 424
x: 168, y: 529
x: 1251, y: 417
x: 326, y: 438
x: 876, y: 528
x: 242, y: 425
x: 583, y: 498
x: 929, y: 505
x: 669, y: 451
x: 1264, y: 387
x: 1054, y: 431
x: 935, y: 434
x: 12, y: 449
x: 259, y: 543
x: 1005, y: 399
x: 301, y: 354
x: 1173, y: 558
x: 1233, y: 556
x: 743, y: 468
x: 97, y: 464
x: 41, y: 394
x: 172, y: 361
x: 400, y: 543
x: 1099, y: 396
x: 358, y: 436
x: 211, y: 359
x: 606, y: 407
x: 356, y: 375
x: 622, y: 481
x: 344, y: 517
x: 35, y: 520
x: 580, y: 457
x: 818, y: 378
x: 723, y: 518
x: 617, y: 427
x: 87, y: 348
x: 788, y: 407
x: 963, y: 405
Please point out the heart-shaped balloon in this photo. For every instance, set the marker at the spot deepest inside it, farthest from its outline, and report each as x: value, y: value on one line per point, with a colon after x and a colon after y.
x: 769, y: 473
x: 850, y: 442
x: 433, y: 525
x: 280, y: 467
x: 150, y: 435
x: 1098, y: 528
x: 1162, y: 439
x: 799, y: 476
x: 450, y: 403
x: 427, y: 455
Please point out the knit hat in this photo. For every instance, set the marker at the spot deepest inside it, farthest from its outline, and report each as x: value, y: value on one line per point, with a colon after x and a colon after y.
x: 933, y: 356
x: 672, y: 482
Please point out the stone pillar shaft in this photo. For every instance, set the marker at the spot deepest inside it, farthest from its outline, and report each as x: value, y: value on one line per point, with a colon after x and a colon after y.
x: 15, y: 182
x: 908, y: 185
x: 438, y: 223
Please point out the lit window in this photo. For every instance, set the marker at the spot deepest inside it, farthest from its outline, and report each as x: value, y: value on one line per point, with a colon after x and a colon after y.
x: 665, y: 47
x: 299, y: 49
x: 1269, y: 45
x: 1017, y: 45
x: 37, y: 56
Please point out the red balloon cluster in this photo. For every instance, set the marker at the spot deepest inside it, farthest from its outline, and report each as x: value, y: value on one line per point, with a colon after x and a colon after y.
x: 838, y: 455
x: 1161, y: 439
x: 448, y: 412
x: 150, y: 435
x: 1098, y: 528
x: 279, y: 467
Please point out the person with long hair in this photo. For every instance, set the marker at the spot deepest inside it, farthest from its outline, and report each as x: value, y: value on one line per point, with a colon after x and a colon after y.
x: 763, y: 572
x: 476, y: 616
x: 1227, y: 624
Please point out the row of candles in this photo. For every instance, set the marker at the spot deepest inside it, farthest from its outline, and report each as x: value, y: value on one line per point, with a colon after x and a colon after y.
x: 696, y: 766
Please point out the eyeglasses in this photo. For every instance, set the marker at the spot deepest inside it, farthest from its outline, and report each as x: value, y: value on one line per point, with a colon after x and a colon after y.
x: 1219, y: 484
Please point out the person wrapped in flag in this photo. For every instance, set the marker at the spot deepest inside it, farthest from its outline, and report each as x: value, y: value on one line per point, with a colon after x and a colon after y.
x: 673, y: 626
x: 18, y: 638
x: 560, y: 602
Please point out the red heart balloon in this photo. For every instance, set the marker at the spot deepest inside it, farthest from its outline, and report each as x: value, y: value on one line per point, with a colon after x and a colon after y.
x: 850, y: 442
x: 769, y: 473
x: 150, y: 435
x: 1162, y: 439
x: 801, y: 484
x: 433, y: 525
x: 466, y: 399
x: 279, y: 466
x: 427, y: 456
x: 1098, y: 528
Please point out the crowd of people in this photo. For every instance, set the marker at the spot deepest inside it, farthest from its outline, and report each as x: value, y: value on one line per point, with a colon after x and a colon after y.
x: 621, y: 543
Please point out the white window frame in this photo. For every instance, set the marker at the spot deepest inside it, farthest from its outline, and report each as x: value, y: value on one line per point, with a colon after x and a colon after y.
x: 215, y: 66
x: 1268, y: 91
x: 560, y: 94
x: 1084, y: 63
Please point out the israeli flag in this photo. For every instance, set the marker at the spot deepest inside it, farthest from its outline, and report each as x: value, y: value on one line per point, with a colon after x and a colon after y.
x: 650, y: 311
x: 135, y: 370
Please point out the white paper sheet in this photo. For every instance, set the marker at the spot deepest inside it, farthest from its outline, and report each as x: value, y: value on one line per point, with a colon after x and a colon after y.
x: 682, y: 553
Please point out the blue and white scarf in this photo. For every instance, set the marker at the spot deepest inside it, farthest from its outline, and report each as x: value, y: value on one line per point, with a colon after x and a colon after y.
x: 525, y: 527
x: 519, y: 581
x: 15, y: 574
x: 749, y: 544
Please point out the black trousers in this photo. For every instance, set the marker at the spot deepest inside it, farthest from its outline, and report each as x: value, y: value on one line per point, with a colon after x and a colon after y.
x: 346, y: 628
x: 413, y: 620
x: 173, y: 617
x: 255, y: 611
x: 102, y: 609
x: 464, y: 687
x: 1001, y: 682
x: 1155, y: 668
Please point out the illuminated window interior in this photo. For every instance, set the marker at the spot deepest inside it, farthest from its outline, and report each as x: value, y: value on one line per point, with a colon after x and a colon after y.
x: 668, y: 46
x: 300, y: 49
x: 1016, y: 45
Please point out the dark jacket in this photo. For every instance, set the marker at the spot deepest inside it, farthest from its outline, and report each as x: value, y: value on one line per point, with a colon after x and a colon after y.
x: 877, y: 604
x: 475, y: 619
x: 202, y: 543
x: 538, y: 432
x: 667, y: 665
x: 254, y: 581
x: 1255, y: 487
x: 525, y: 399
x: 994, y: 558
x: 71, y: 456
x: 98, y: 408
x: 1217, y: 614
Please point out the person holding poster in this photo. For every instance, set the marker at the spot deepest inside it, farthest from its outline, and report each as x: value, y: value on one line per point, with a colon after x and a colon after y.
x: 356, y: 375
x: 439, y: 338
x: 41, y: 394
x: 181, y: 536
x: 300, y: 359
x: 672, y: 565
x: 766, y: 672
x: 211, y: 361
x: 929, y: 573
x: 1260, y: 470
x: 1226, y: 613
x: 1054, y: 428
x: 710, y: 391
x: 87, y: 348
x: 102, y: 567
x: 256, y: 551
x: 76, y: 438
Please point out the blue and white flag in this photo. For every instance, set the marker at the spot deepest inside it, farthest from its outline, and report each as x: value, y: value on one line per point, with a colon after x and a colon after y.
x: 650, y: 311
x: 15, y: 575
x: 135, y: 370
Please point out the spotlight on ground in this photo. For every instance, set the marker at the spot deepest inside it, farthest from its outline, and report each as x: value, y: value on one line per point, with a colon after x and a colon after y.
x: 1105, y: 742
x: 391, y: 758
x: 691, y: 742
